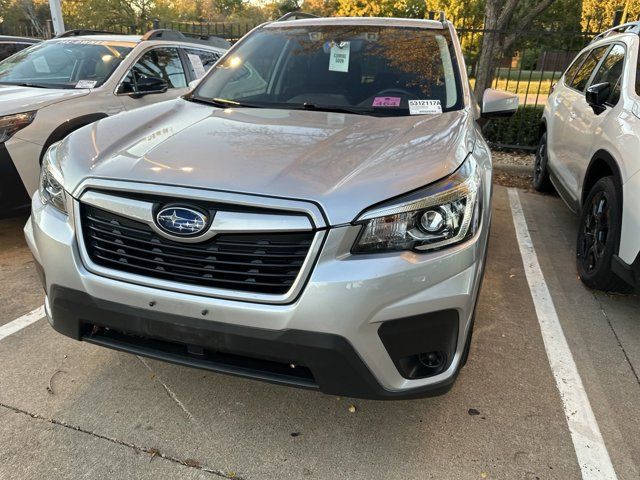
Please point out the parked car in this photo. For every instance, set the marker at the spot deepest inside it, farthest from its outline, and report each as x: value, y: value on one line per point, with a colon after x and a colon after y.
x: 589, y: 151
x: 62, y: 84
x: 315, y: 213
x: 11, y: 45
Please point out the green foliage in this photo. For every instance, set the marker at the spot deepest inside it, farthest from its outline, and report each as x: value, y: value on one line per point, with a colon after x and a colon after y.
x: 382, y: 8
x: 282, y: 7
x: 596, y: 12
x: 521, y: 129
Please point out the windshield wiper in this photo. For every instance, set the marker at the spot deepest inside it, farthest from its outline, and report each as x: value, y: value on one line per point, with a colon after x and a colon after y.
x: 25, y: 84
x: 335, y: 108
x: 224, y: 103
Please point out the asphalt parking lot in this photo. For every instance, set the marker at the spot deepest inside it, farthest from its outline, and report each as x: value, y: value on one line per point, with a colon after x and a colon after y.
x: 74, y: 410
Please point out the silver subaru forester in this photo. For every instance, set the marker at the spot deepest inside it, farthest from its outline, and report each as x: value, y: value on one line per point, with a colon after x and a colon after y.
x: 314, y: 213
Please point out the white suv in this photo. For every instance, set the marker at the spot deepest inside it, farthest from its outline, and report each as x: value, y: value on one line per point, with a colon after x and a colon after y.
x: 590, y: 152
x: 55, y: 87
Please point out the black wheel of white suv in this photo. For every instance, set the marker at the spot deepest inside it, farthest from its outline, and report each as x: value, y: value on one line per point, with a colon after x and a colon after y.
x: 599, y: 236
x: 541, y: 181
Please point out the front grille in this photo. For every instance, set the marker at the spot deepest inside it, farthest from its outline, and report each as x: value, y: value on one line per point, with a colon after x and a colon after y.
x: 265, y: 263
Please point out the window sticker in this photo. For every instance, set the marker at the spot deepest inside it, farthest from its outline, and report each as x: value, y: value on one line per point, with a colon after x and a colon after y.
x: 424, y: 107
x: 339, y: 57
x: 86, y: 84
x: 196, y: 63
x: 386, y: 102
x: 41, y: 65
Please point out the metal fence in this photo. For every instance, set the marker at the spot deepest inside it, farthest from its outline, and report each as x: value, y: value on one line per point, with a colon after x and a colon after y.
x: 529, y: 68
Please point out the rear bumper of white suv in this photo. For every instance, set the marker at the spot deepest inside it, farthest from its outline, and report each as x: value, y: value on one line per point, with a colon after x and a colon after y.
x: 361, y: 325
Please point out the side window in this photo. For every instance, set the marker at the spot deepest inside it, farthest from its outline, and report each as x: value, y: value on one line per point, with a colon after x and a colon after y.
x: 573, y: 68
x: 200, y: 61
x: 6, y: 50
x: 161, y: 63
x: 583, y: 74
x: 610, y: 72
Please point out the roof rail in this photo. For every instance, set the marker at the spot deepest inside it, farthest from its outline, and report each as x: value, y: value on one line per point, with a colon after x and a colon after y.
x: 296, y: 16
x: 631, y: 27
x: 81, y: 31
x: 177, y: 36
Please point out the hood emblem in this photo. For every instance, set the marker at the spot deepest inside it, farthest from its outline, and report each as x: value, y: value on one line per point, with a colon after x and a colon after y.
x: 181, y: 221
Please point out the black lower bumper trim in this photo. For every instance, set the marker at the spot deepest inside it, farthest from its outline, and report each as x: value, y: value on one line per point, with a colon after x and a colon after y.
x: 13, y: 196
x: 322, y: 361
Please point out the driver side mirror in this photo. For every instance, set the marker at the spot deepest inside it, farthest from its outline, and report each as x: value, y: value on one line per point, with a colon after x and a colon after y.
x: 497, y: 103
x: 597, y: 95
x: 144, y: 86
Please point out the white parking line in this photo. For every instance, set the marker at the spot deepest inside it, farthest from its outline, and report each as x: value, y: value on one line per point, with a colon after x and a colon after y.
x: 588, y: 443
x: 22, y: 322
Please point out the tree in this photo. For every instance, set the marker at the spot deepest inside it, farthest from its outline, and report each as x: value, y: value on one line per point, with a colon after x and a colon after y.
x: 382, y: 8
x: 503, y: 20
x: 600, y: 13
x: 323, y: 8
x: 283, y: 7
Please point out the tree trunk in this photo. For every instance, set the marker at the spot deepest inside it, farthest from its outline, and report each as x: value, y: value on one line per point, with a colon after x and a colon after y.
x: 500, y: 33
x: 490, y: 56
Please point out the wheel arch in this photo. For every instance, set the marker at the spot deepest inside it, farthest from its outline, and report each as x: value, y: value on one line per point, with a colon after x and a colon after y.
x: 68, y: 127
x: 542, y: 127
x: 602, y: 165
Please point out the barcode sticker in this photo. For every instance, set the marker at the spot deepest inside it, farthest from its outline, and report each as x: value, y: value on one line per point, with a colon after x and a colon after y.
x: 424, y: 107
x: 86, y: 84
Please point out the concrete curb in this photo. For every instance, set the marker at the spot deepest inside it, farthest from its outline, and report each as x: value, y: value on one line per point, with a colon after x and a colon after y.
x: 517, y: 170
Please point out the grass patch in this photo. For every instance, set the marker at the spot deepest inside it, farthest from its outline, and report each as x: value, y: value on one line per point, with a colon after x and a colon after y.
x: 535, y: 75
x: 533, y: 82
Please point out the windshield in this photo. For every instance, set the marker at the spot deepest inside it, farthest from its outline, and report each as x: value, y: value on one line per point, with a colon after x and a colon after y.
x: 363, y: 69
x: 64, y: 64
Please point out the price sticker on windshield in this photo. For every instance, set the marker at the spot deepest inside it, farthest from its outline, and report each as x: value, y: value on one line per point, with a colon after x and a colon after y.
x: 339, y: 57
x: 86, y: 84
x: 196, y: 63
x: 424, y: 107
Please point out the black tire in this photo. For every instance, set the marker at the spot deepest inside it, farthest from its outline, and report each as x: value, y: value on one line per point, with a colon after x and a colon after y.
x: 541, y: 180
x: 599, y: 237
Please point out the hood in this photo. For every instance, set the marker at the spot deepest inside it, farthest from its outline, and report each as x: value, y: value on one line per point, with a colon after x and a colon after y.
x: 15, y: 99
x: 343, y: 162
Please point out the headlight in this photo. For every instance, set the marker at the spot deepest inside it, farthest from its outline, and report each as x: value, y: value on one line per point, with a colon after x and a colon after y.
x: 51, y: 181
x: 444, y: 213
x: 10, y: 124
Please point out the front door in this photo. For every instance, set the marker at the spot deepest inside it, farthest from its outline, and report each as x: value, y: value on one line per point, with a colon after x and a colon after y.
x: 163, y: 63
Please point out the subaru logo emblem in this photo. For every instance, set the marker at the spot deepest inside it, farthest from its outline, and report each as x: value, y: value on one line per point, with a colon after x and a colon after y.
x: 182, y: 221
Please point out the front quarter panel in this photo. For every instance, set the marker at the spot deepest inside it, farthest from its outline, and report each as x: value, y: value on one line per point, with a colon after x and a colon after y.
x: 50, y: 120
x: 553, y: 122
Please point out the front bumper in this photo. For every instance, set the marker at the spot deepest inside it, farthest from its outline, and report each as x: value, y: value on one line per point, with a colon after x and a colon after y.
x: 332, y: 333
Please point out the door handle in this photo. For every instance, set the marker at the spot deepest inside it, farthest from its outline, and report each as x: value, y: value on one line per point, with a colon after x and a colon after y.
x: 572, y: 116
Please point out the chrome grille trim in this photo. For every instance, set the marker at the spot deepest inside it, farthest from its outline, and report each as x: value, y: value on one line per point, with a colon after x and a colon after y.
x: 176, y: 286
x: 183, y: 193
x: 223, y: 222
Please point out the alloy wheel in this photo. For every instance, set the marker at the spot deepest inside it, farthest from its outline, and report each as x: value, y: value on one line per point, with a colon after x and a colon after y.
x: 595, y: 231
